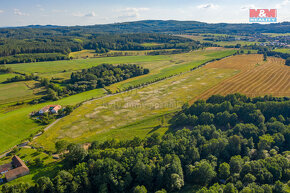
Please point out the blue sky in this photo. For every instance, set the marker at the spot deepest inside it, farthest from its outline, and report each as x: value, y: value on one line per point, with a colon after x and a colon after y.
x: 89, y: 12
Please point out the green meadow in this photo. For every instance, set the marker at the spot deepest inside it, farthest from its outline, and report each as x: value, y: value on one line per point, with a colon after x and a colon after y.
x: 3, y: 77
x: 18, y: 92
x: 63, y: 68
x: 17, y: 131
x: 276, y: 34
x: 283, y: 50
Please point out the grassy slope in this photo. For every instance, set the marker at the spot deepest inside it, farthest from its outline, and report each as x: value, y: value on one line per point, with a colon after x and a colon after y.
x: 178, y: 63
x: 16, y: 131
x: 109, y: 117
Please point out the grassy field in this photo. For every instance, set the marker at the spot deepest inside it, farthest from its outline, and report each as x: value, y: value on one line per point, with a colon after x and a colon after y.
x: 178, y: 63
x: 233, y: 43
x: 221, y: 43
x: 3, y: 77
x: 17, y: 131
x: 276, y: 34
x: 257, y: 77
x: 283, y: 50
x: 83, y: 54
x: 120, y: 115
x: 18, y: 92
x: 63, y: 69
x: 86, y: 54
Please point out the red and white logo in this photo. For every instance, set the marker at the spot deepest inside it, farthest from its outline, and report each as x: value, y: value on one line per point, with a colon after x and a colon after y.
x: 263, y: 15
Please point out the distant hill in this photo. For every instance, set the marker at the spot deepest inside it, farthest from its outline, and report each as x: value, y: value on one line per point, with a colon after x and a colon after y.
x: 168, y: 26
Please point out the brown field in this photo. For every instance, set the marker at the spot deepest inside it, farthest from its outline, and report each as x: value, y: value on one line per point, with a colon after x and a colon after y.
x: 256, y: 77
x: 214, y: 48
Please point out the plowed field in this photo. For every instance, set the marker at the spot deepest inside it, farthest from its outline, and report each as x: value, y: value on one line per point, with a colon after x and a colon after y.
x: 256, y: 77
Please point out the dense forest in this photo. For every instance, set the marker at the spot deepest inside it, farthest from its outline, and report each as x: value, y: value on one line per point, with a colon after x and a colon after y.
x: 152, y: 26
x: 224, y: 144
x: 32, y: 45
x: 103, y: 75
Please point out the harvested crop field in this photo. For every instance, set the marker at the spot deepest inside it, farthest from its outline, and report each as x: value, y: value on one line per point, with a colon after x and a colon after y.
x: 256, y: 77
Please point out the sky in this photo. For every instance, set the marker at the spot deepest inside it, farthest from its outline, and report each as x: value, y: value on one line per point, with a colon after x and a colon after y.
x: 91, y: 12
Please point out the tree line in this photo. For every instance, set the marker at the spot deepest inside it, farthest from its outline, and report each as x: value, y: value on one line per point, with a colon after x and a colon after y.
x: 5, y: 70
x: 225, y: 144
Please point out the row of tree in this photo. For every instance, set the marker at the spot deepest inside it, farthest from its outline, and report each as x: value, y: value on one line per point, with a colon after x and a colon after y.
x: 19, y: 78
x: 5, y: 70
x: 28, y: 58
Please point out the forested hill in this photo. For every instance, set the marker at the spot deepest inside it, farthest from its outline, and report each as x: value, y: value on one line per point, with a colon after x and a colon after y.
x: 162, y: 26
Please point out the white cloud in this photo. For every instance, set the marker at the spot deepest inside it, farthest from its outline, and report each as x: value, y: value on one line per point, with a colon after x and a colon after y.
x: 18, y: 12
x: 131, y: 12
x: 247, y: 7
x: 282, y: 4
x: 1, y: 11
x: 207, y: 6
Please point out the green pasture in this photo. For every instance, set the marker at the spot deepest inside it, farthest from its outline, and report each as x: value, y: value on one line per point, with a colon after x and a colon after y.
x: 283, y: 50
x: 233, y: 43
x: 3, y: 77
x: 17, y: 126
x: 18, y: 92
x: 276, y: 34
x: 63, y: 68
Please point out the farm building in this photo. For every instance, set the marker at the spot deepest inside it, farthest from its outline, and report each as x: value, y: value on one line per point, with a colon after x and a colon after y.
x: 5, y: 168
x: 50, y: 108
x: 15, y: 169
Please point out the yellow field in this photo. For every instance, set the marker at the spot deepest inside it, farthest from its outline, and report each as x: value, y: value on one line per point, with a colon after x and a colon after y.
x: 257, y: 77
